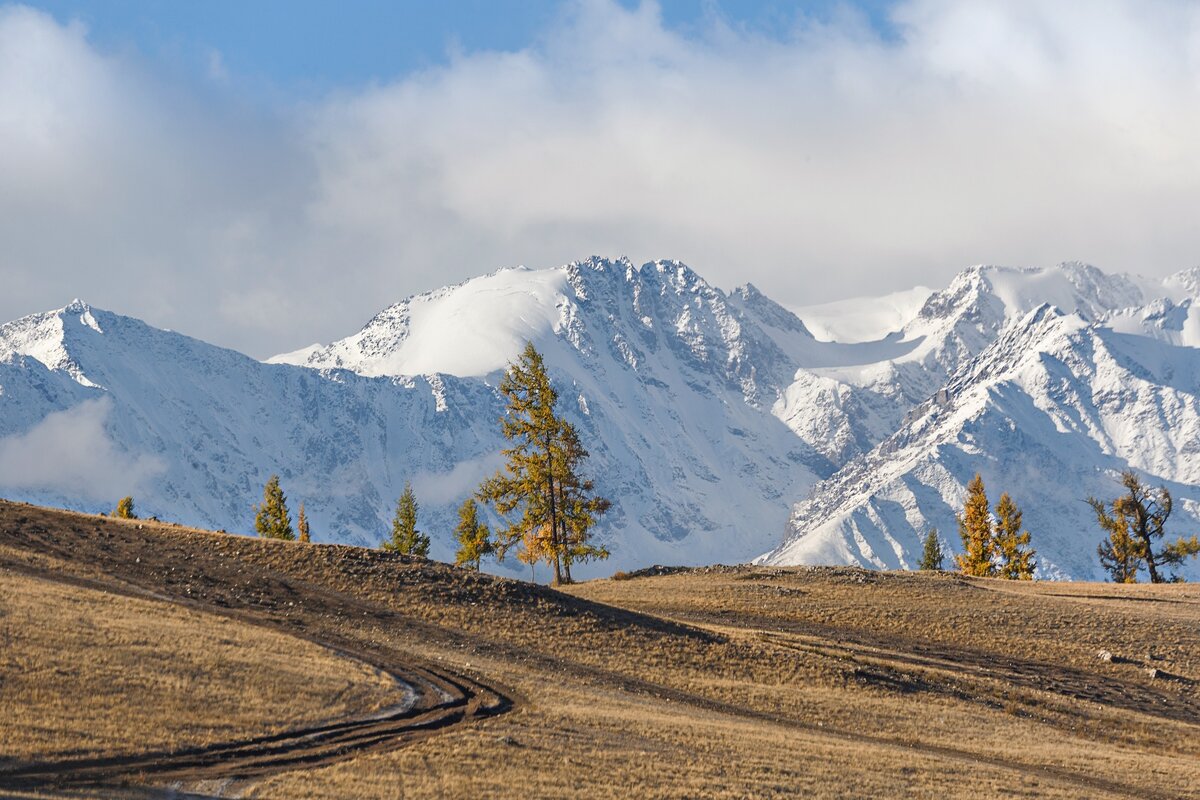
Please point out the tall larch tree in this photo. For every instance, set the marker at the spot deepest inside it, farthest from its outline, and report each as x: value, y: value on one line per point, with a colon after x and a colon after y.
x: 1011, y: 543
x: 302, y: 526
x: 1144, y: 511
x: 932, y: 557
x: 975, y: 528
x: 406, y: 539
x: 474, y: 538
x: 540, y: 479
x: 271, y: 519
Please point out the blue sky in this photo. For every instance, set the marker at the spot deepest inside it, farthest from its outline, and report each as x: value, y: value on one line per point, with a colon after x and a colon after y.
x: 305, y: 46
x: 266, y: 174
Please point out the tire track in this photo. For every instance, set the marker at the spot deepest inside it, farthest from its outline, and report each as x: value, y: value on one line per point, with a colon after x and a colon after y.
x: 443, y: 700
x: 1072, y: 683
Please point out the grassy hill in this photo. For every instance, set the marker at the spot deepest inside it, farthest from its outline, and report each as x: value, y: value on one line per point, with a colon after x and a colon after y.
x: 138, y: 657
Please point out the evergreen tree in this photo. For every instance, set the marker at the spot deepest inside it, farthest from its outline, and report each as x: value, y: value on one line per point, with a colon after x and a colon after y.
x: 932, y: 557
x: 302, y: 525
x: 474, y: 538
x: 272, y: 520
x: 1143, y: 511
x: 125, y: 509
x: 1011, y: 543
x: 540, y: 478
x: 406, y: 539
x: 975, y: 528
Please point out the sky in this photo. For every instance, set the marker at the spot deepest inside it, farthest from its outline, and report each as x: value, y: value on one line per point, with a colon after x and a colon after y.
x: 267, y: 175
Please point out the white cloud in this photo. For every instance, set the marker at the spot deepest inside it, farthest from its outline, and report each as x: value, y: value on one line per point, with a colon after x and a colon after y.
x: 70, y: 453
x: 442, y: 488
x: 828, y: 163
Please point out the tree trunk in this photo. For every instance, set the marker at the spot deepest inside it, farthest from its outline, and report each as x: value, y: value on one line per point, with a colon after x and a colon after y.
x: 566, y: 555
x: 554, y: 548
x: 1154, y: 576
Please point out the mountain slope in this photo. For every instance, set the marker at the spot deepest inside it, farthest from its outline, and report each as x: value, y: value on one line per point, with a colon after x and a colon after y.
x: 1051, y: 412
x: 663, y: 376
x: 708, y: 413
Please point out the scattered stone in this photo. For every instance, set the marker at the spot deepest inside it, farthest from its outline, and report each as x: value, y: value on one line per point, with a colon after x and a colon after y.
x: 1154, y: 672
x: 509, y: 740
x: 1105, y: 655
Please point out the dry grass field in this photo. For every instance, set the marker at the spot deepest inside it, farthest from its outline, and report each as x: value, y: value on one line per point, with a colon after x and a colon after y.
x: 71, y: 655
x: 719, y: 682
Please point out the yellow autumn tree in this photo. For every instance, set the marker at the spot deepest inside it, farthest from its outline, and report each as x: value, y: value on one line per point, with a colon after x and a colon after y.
x: 125, y: 509
x: 975, y: 529
x: 1119, y: 553
x: 1141, y: 516
x: 1011, y: 543
x: 547, y: 508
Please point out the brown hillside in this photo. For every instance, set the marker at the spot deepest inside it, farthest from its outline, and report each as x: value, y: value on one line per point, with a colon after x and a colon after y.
x: 142, y: 655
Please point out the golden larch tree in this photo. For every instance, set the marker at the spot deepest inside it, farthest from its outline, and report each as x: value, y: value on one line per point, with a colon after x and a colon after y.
x: 975, y: 528
x: 1143, y: 513
x: 540, y: 479
x: 1119, y: 553
x: 1011, y: 543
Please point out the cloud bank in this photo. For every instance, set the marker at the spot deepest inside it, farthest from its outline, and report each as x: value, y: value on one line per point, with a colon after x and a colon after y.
x: 824, y: 163
x: 70, y: 454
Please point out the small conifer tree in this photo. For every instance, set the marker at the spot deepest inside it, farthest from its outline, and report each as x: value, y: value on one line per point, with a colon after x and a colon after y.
x: 975, y: 528
x: 125, y: 509
x: 302, y: 526
x: 474, y: 538
x: 1011, y: 543
x: 271, y: 519
x: 932, y: 557
x: 406, y: 539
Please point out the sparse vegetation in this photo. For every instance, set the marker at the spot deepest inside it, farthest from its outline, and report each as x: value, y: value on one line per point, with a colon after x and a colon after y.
x: 271, y: 519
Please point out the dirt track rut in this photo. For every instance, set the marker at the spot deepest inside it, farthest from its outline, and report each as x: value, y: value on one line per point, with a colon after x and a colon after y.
x: 443, y: 699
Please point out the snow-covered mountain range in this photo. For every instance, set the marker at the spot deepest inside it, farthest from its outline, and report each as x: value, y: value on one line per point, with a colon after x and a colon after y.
x: 708, y: 414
